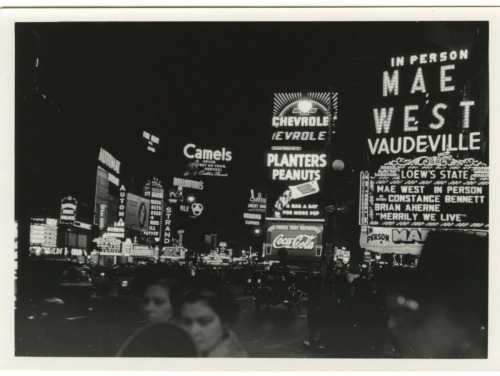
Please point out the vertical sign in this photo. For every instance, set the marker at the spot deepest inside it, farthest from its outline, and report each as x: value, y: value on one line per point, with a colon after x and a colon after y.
x: 68, y: 210
x: 107, y: 189
x: 154, y: 191
x: 167, y: 238
x: 297, y: 162
x: 427, y: 148
x: 102, y: 216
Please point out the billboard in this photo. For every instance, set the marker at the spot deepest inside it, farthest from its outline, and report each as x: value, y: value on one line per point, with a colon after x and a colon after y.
x: 43, y: 232
x: 107, y: 200
x: 109, y: 162
x: 300, y: 240
x: 68, y: 210
x: 402, y: 240
x: 427, y: 147
x: 142, y: 251
x: 137, y: 212
x: 257, y: 202
x: 429, y: 192
x: 167, y: 230
x: 108, y: 245
x: 301, y: 127
x: 154, y: 191
x: 205, y: 161
x: 253, y: 219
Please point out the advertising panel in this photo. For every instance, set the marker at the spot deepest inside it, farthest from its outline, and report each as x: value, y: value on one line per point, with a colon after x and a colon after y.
x: 108, y: 246
x: 427, y: 147
x: 298, y: 159
x: 154, y: 191
x: 43, y: 232
x: 173, y: 252
x: 107, y: 200
x: 256, y: 209
x: 152, y: 140
x: 253, y: 219
x: 430, y: 192
x: 204, y: 161
x: 137, y: 212
x: 108, y: 161
x: 401, y: 240
x: 37, y: 234
x: 68, y: 210
x: 184, y: 194
x: 142, y: 251
x: 300, y: 240
x: 257, y: 202
x: 167, y: 236
x: 188, y: 183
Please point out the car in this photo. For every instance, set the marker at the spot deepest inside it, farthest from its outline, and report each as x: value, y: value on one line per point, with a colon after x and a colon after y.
x: 253, y: 281
x: 56, y: 281
x: 278, y: 287
x: 48, y: 275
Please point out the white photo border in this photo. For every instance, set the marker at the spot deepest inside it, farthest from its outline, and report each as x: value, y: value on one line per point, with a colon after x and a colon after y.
x: 8, y: 18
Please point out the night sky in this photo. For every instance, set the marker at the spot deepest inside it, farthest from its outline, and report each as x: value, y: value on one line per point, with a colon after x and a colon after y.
x: 101, y: 84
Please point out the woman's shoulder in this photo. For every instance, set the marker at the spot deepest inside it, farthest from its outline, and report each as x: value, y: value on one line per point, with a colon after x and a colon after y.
x: 158, y: 340
x: 229, y: 347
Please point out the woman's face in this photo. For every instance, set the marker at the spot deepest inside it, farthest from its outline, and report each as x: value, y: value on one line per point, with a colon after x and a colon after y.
x: 156, y: 304
x: 203, y: 324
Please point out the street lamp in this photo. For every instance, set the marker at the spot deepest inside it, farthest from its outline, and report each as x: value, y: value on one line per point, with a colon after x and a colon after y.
x: 338, y: 165
x: 190, y: 199
x: 331, y: 224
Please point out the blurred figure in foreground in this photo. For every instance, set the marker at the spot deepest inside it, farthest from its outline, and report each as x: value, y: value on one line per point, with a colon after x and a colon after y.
x: 159, y: 337
x: 206, y: 313
x: 156, y: 301
x: 443, y: 312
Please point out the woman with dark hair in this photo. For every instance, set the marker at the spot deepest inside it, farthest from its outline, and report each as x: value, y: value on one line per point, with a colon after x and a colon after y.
x: 206, y: 313
x: 159, y: 337
x: 156, y: 302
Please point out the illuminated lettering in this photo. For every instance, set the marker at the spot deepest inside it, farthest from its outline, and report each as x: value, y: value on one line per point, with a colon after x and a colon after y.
x: 186, y: 183
x: 444, y: 78
x: 390, y: 84
x: 418, y: 83
x: 466, y: 117
x: 217, y: 155
x: 409, y: 118
x: 300, y: 121
x: 108, y: 160
x: 438, y: 116
x: 383, y: 119
x: 282, y: 174
x: 296, y: 160
x: 425, y: 143
x: 294, y: 242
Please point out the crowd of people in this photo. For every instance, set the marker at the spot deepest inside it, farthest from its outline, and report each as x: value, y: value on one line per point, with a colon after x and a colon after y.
x: 437, y: 310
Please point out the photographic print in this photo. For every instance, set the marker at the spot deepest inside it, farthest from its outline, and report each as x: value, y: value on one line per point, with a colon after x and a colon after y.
x: 265, y: 188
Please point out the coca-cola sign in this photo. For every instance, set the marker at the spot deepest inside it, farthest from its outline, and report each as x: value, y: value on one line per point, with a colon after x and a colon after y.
x: 300, y: 241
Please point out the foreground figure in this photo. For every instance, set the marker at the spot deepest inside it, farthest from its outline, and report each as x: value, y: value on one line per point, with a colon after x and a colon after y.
x: 206, y: 314
x: 443, y: 312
